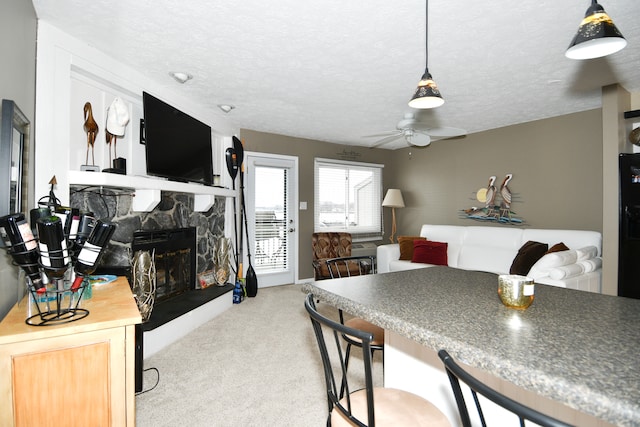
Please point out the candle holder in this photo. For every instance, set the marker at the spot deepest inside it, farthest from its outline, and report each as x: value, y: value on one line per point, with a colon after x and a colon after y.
x: 516, y: 291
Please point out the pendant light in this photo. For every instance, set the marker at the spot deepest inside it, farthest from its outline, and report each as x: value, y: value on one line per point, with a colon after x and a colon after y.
x: 597, y: 36
x: 427, y: 94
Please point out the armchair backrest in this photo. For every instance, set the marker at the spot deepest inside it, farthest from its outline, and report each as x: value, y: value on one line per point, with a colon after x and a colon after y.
x: 328, y: 245
x: 331, y: 245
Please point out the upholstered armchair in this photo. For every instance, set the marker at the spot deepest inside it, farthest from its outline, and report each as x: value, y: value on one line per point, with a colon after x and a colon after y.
x: 326, y: 246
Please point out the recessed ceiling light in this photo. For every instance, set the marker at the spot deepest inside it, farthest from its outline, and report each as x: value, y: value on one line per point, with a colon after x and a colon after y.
x: 226, y: 107
x: 180, y: 77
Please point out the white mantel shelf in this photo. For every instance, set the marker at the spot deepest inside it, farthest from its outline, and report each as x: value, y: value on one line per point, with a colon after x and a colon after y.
x: 148, y: 190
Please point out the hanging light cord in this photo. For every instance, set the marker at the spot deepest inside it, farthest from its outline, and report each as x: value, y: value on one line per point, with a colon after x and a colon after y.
x: 426, y: 36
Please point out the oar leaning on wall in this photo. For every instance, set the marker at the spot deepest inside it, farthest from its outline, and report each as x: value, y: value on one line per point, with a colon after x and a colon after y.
x: 251, y: 280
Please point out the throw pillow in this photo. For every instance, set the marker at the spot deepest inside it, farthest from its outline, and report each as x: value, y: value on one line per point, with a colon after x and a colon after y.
x: 558, y: 247
x: 406, y: 246
x: 527, y: 256
x: 429, y: 252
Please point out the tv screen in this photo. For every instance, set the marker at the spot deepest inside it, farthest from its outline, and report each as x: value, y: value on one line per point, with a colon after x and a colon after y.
x: 178, y: 146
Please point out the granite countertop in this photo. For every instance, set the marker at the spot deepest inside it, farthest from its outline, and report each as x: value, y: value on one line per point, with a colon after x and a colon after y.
x: 575, y: 347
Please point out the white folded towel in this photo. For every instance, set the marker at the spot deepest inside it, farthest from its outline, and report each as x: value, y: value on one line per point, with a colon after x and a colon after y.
x: 590, y: 265
x: 588, y: 252
x: 566, y: 271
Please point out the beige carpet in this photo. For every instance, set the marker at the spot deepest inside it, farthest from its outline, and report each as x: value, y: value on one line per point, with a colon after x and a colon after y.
x: 257, y: 364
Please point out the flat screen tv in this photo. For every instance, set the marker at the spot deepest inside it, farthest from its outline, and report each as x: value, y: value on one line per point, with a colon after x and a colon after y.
x: 178, y: 146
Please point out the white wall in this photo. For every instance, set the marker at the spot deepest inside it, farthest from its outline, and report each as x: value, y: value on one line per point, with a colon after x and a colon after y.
x: 70, y: 73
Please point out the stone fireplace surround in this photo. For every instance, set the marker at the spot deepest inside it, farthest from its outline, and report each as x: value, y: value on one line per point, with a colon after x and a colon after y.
x: 175, y: 210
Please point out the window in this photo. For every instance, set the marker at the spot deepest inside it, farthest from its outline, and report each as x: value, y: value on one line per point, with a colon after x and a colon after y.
x: 348, y: 197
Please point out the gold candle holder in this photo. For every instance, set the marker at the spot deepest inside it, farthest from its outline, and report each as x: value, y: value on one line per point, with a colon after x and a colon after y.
x: 515, y: 291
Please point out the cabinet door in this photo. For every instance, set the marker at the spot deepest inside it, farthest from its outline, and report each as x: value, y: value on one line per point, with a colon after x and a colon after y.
x: 77, y: 379
x: 63, y: 387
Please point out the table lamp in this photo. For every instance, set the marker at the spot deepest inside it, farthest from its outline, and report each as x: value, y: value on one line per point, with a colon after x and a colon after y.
x: 393, y: 199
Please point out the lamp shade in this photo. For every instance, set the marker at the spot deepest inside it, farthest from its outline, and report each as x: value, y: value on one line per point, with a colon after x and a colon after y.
x: 427, y: 94
x: 393, y: 199
x: 597, y: 36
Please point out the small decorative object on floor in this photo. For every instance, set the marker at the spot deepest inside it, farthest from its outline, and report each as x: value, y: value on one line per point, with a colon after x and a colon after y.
x: 516, y: 291
x: 238, y: 293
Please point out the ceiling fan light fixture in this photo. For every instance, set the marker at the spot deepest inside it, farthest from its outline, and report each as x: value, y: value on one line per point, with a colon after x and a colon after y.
x: 597, y: 36
x: 418, y: 139
x: 427, y: 94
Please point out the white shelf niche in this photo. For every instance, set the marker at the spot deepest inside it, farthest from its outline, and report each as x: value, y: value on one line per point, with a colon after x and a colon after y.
x: 147, y: 190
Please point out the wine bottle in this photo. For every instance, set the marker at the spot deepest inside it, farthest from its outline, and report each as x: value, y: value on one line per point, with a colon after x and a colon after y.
x: 34, y: 215
x: 53, y: 247
x: 85, y: 226
x: 92, y: 250
x: 65, y: 215
x: 23, y: 247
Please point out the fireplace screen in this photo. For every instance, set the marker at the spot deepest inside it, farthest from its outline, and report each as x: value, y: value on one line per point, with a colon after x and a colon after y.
x: 175, y: 259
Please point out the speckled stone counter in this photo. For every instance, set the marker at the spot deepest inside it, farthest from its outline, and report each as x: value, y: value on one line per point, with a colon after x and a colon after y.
x: 575, y: 347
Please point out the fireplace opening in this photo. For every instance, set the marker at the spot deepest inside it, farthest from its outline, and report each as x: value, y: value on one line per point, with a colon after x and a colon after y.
x: 174, y: 257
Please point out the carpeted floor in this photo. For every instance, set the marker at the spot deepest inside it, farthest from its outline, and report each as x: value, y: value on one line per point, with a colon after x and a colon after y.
x: 257, y: 364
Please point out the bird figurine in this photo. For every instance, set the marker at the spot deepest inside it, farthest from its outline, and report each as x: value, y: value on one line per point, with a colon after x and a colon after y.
x: 505, y: 192
x: 491, y: 197
x: 91, y: 127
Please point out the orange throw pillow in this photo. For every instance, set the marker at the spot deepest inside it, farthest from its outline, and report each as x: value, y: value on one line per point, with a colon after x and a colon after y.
x: 406, y: 246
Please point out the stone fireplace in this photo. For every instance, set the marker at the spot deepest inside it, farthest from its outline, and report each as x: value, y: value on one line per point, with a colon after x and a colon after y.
x: 171, y: 220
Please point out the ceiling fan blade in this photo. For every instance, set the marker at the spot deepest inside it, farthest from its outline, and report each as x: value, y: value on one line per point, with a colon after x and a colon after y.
x: 387, y: 133
x: 442, y: 132
x: 386, y: 140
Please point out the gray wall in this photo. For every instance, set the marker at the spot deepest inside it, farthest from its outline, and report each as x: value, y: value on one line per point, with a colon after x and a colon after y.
x: 556, y: 163
x: 17, y: 83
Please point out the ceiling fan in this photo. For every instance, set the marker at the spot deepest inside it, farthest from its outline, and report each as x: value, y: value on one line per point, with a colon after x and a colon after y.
x: 416, y: 133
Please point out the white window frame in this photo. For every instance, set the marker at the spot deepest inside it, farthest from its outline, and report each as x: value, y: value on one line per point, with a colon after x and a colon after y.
x: 372, y: 209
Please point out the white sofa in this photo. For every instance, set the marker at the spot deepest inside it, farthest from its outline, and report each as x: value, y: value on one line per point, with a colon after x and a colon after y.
x: 493, y: 249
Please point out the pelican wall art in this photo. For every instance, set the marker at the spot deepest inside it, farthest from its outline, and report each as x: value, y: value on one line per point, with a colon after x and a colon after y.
x: 496, y: 203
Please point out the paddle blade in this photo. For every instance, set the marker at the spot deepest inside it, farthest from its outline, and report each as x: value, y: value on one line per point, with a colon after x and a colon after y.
x: 232, y: 162
x: 238, y: 147
x: 251, y: 281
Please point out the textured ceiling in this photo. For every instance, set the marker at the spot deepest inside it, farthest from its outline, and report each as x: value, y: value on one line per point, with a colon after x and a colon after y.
x: 337, y: 70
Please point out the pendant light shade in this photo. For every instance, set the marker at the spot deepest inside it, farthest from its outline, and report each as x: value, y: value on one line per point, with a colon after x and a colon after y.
x: 427, y: 94
x: 597, y: 36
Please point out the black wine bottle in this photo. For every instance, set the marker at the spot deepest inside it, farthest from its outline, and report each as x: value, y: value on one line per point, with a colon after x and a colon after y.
x: 23, y: 247
x: 54, y: 255
x: 85, y: 226
x: 91, y: 251
x: 65, y: 215
x: 34, y: 215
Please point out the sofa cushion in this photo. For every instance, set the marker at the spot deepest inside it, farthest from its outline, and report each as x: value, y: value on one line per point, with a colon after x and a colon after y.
x: 428, y: 252
x: 527, y: 256
x: 406, y: 246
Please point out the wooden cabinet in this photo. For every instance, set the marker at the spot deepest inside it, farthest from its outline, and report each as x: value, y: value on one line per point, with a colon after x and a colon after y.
x: 79, y: 373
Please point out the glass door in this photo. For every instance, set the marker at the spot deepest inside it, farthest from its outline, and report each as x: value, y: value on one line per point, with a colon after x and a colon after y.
x: 271, y: 197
